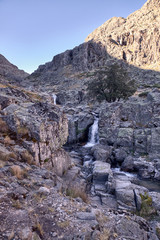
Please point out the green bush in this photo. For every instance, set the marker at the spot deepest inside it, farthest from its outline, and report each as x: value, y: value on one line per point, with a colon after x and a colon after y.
x: 111, y: 85
x: 147, y: 210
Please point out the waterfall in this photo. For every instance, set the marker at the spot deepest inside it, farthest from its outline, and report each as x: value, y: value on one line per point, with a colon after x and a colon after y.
x: 93, y: 134
x: 54, y: 98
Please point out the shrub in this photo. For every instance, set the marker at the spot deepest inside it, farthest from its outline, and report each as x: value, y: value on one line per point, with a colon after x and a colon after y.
x: 16, y: 204
x: 6, y: 156
x: 18, y: 171
x: 22, y: 130
x: 64, y: 224
x: 158, y: 232
x: 147, y: 209
x: 2, y: 164
x: 111, y: 85
x: 75, y: 192
x: 27, y: 157
x: 3, y: 126
x: 38, y: 229
x: 7, y: 140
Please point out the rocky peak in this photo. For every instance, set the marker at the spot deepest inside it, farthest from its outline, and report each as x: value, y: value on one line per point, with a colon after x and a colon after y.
x: 150, y: 4
x: 3, y: 60
x: 134, y: 39
x: 10, y: 72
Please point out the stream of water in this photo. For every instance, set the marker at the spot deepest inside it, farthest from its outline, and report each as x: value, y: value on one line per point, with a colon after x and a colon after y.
x: 93, y: 137
x: 54, y: 98
x: 152, y: 186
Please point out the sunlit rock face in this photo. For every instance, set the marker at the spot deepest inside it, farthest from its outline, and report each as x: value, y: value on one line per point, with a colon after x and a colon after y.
x: 134, y: 39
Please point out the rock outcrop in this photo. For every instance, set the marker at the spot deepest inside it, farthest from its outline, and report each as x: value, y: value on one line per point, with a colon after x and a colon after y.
x: 132, y: 127
x: 10, y: 72
x: 31, y: 130
x: 135, y: 39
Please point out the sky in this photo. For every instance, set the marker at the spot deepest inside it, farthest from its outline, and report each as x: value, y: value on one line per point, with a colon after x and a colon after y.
x: 33, y: 31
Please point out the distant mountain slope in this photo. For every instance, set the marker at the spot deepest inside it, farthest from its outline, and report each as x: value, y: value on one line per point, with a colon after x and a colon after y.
x: 135, y: 39
x: 9, y: 71
x: 134, y: 42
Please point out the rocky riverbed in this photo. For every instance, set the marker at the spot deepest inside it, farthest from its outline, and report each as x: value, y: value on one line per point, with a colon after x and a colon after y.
x: 52, y: 194
x: 73, y: 168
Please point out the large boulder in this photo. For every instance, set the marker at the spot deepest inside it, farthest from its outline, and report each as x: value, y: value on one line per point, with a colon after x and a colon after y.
x: 101, y: 153
x: 128, y: 164
x: 155, y: 200
x: 128, y: 194
x: 120, y: 155
x: 101, y: 171
x: 79, y: 124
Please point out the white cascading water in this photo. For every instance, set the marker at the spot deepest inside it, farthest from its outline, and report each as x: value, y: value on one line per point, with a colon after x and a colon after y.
x: 54, y: 98
x: 127, y: 174
x: 93, y: 134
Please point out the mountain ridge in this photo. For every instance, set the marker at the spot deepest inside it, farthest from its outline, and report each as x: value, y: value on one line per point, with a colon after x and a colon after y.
x: 10, y: 72
x: 133, y: 42
x: 134, y: 39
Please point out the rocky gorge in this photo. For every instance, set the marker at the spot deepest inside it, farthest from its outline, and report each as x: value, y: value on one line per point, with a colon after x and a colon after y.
x: 74, y: 168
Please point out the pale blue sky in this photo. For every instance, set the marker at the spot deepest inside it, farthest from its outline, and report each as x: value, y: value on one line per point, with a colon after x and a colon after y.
x: 33, y: 31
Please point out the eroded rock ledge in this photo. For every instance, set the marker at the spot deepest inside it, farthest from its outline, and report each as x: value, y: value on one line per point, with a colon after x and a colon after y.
x: 32, y: 131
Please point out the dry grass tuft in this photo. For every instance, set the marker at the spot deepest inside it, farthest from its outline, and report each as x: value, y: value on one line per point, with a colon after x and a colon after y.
x: 64, y: 224
x: 38, y: 229
x: 2, y: 164
x: 7, y: 156
x: 23, y: 131
x: 3, y: 126
x: 7, y: 140
x: 33, y: 96
x: 27, y: 157
x: 16, y: 204
x: 18, y: 171
x: 75, y: 192
x: 105, y: 235
x: 2, y: 85
x: 11, y: 236
x: 12, y: 155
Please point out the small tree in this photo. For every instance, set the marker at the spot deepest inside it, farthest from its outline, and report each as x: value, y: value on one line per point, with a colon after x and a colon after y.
x: 111, y: 85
